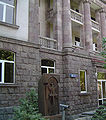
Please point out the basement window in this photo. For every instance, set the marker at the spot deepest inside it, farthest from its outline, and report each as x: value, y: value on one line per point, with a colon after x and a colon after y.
x: 83, y: 82
x: 6, y: 66
x: 47, y: 66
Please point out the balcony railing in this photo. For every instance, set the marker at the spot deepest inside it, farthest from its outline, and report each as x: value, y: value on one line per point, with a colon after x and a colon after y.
x: 75, y: 16
x: 49, y: 14
x: 48, y: 42
x: 95, y: 25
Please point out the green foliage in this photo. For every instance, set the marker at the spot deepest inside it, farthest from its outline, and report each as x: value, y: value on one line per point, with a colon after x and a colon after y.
x: 103, y: 53
x: 6, y: 55
x: 100, y: 113
x: 28, y: 108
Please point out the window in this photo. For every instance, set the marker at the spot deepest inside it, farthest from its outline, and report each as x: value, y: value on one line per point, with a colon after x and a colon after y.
x: 7, y: 11
x: 6, y: 67
x: 83, y: 83
x: 77, y: 41
x: 50, y: 4
x: 94, y: 46
x: 47, y: 66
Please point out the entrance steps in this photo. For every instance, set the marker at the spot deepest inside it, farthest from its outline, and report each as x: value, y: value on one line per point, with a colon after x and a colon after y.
x: 84, y: 116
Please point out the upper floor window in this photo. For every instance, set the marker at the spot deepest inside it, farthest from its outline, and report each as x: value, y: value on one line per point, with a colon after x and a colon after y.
x: 6, y: 66
x: 7, y: 11
x: 77, y: 41
x: 83, y: 82
x: 47, y: 66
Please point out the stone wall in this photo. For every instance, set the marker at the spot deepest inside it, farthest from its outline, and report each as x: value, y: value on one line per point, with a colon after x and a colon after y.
x: 6, y: 113
x: 26, y: 71
x: 78, y: 101
x: 57, y: 58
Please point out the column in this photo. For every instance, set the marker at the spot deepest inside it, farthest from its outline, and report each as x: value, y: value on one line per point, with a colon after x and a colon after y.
x: 82, y: 32
x: 88, y: 26
x: 99, y: 39
x: 67, y: 29
x: 57, y: 24
x: 103, y: 23
x: 33, y: 28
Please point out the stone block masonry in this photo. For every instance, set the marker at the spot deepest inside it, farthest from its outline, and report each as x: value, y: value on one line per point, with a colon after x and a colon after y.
x: 6, y: 113
x: 27, y: 71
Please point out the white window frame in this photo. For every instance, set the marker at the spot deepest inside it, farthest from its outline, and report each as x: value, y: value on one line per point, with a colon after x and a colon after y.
x: 2, y: 71
x: 85, y: 81
x: 102, y: 98
x: 77, y: 43
x: 4, y: 9
x: 94, y: 47
x: 47, y: 67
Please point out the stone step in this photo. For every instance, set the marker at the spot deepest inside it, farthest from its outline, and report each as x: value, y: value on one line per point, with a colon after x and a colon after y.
x: 84, y: 118
x: 85, y: 115
x: 90, y: 113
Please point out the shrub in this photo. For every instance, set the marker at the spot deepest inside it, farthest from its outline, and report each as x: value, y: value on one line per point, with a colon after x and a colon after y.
x: 100, y: 113
x: 28, y: 108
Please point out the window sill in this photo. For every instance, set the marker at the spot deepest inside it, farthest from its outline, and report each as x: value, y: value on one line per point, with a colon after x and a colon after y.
x: 95, y: 51
x: 8, y: 85
x: 85, y: 94
x: 78, y: 46
x: 9, y: 25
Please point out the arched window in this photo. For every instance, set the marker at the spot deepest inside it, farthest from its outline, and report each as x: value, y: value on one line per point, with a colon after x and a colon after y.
x: 47, y: 66
x: 6, y: 66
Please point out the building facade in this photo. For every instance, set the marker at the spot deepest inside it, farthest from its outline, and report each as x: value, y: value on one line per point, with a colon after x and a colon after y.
x: 52, y: 36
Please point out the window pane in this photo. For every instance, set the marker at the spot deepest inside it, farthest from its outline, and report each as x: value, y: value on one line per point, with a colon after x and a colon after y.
x: 82, y: 80
x: 99, y: 90
x: 9, y: 15
x: 6, y: 55
x: 100, y: 102
x: 101, y: 75
x: 11, y: 2
x: 9, y: 73
x: 0, y: 71
x: 104, y: 89
x: 43, y: 70
x: 1, y: 12
x: 51, y: 70
x: 47, y: 63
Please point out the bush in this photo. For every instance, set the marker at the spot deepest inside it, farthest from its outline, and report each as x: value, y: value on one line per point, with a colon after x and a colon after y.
x: 100, y: 113
x: 28, y: 108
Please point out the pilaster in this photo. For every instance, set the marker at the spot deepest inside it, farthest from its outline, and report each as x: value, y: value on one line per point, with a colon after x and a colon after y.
x: 103, y: 23
x: 88, y: 26
x: 33, y: 30
x: 67, y: 29
x: 57, y: 8
x: 99, y: 39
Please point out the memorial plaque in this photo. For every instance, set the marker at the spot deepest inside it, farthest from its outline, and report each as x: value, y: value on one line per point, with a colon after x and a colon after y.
x: 49, y: 94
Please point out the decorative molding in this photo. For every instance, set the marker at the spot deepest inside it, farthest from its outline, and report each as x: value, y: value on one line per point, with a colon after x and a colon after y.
x: 87, y: 1
x: 102, y: 10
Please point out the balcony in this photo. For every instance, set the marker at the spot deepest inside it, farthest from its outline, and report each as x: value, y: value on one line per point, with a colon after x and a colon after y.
x: 95, y: 26
x: 46, y: 42
x: 76, y: 17
x: 49, y: 14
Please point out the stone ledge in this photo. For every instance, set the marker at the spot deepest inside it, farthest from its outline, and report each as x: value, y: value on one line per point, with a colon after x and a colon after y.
x: 19, y: 42
x: 9, y: 25
x: 9, y: 85
x: 84, y: 94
